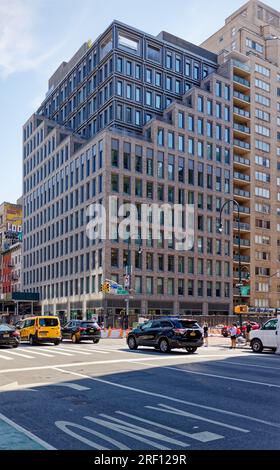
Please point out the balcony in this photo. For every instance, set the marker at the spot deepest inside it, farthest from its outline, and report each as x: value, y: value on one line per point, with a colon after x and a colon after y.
x: 241, y: 144
x: 240, y: 65
x: 244, y: 243
x: 241, y: 128
x: 241, y: 112
x: 243, y: 258
x: 243, y: 210
x: 244, y: 227
x: 241, y: 160
x: 242, y: 81
x: 242, y: 193
x: 241, y: 96
x: 241, y: 176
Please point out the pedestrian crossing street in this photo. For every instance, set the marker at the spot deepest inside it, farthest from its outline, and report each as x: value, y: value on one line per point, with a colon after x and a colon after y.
x: 25, y: 351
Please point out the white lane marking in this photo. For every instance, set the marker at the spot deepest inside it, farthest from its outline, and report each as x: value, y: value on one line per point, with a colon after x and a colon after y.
x: 31, y: 387
x: 57, y: 352
x: 41, y: 354
x: 27, y: 356
x: 6, y: 358
x: 249, y: 365
x: 223, y: 377
x: 27, y: 433
x: 15, y: 386
x: 136, y: 432
x: 88, y: 351
x: 63, y: 426
x: 203, y: 436
x: 176, y: 400
x: 76, y: 351
x: 71, y: 385
x: 111, y: 361
x: 171, y: 410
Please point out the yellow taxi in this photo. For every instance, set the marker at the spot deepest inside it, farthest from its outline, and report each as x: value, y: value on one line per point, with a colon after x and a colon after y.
x: 41, y: 329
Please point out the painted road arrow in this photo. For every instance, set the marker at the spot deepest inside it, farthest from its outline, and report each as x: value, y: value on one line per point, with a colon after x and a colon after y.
x: 31, y: 387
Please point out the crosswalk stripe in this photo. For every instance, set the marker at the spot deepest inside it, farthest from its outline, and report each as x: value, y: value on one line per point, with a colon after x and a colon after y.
x: 76, y: 350
x: 6, y: 358
x: 55, y: 351
x: 42, y: 354
x: 88, y: 351
x: 20, y: 354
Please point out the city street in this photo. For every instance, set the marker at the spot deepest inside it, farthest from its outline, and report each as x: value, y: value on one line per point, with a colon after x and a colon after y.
x: 104, y: 396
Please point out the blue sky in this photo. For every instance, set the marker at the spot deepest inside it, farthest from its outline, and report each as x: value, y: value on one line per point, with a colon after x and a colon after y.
x: 37, y: 35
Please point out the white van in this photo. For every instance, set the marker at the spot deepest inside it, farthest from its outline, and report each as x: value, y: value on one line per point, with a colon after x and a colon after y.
x: 266, y: 337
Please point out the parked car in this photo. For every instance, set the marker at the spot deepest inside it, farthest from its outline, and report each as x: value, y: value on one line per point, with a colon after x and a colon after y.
x: 81, y: 330
x: 225, y: 330
x: 9, y: 336
x: 40, y: 329
x: 167, y: 334
x: 265, y: 337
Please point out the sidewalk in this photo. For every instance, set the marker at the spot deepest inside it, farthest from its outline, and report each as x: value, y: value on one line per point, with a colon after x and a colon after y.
x: 220, y: 341
x: 14, y: 437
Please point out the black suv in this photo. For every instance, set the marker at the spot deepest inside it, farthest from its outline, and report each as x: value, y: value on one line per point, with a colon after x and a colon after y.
x: 79, y: 330
x: 167, y: 334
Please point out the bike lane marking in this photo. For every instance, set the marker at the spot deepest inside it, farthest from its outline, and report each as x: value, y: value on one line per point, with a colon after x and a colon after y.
x: 166, y: 397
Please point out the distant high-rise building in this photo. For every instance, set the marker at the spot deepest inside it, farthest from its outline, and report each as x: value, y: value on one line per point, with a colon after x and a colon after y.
x: 249, y: 44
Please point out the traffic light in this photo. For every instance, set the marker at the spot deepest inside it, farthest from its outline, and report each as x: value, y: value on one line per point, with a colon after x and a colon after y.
x: 105, y: 287
x: 239, y: 309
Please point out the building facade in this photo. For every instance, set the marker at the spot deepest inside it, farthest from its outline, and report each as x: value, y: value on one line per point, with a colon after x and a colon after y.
x: 10, y: 246
x: 177, y: 151
x: 10, y: 224
x: 250, y: 44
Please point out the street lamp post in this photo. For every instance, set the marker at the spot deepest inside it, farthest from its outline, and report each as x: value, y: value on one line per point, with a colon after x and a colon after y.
x: 235, y: 203
x: 129, y: 274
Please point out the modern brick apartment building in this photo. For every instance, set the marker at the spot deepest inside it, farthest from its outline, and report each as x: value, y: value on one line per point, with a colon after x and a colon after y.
x: 10, y: 253
x: 250, y: 41
x: 147, y: 119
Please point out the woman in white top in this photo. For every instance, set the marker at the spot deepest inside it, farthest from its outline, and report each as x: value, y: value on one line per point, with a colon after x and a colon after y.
x: 233, y: 335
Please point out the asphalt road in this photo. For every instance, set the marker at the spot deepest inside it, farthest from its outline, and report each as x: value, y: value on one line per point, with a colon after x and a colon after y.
x: 106, y: 397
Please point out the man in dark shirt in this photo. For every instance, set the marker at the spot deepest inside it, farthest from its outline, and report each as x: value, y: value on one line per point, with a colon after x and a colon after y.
x: 248, y: 329
x: 205, y: 334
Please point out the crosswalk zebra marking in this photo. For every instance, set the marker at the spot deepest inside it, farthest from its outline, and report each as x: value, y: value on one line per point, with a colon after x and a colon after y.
x: 20, y: 354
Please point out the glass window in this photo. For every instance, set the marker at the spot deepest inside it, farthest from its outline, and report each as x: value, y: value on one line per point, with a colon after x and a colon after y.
x: 148, y: 98
x: 181, y: 120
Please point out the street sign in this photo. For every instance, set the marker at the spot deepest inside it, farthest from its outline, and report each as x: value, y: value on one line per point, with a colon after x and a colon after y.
x: 121, y: 291
x: 245, y: 290
x: 126, y: 281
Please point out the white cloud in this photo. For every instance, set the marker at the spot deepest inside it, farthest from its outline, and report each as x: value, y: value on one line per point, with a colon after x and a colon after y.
x: 16, y: 42
x: 19, y: 43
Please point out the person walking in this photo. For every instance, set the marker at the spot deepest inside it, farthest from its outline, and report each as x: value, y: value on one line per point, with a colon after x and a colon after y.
x: 233, y: 335
x: 205, y: 334
x: 248, y: 329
